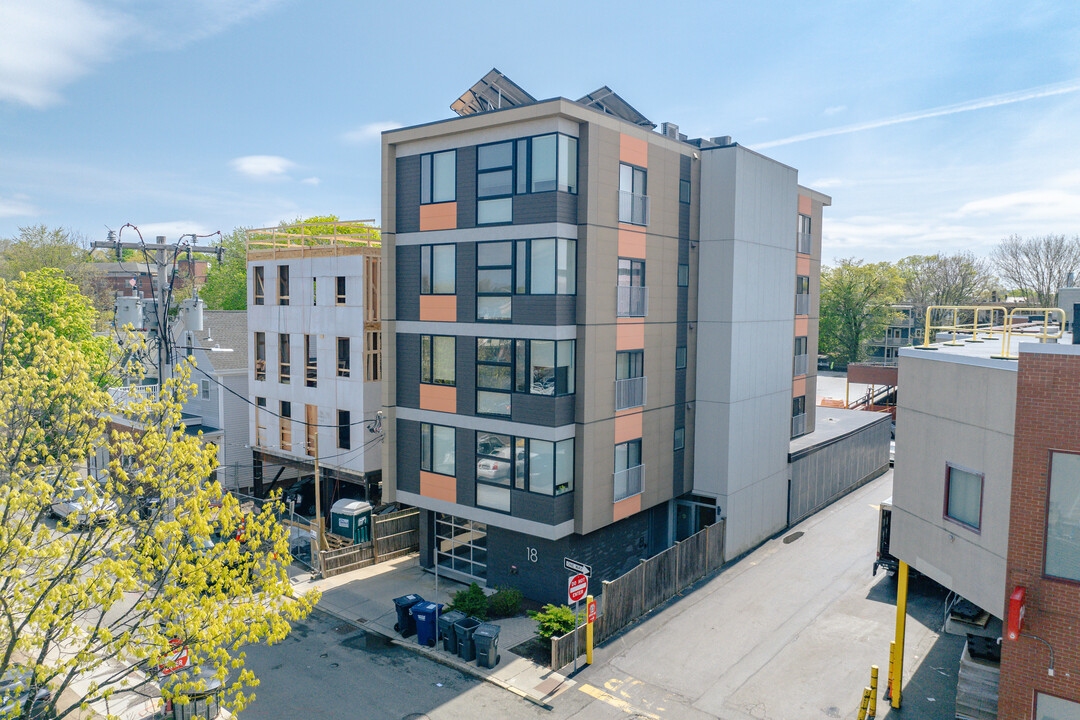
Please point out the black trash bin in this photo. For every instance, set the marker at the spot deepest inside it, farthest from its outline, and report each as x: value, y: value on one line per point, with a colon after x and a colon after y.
x: 463, y: 630
x: 405, y: 623
x: 486, y: 638
x: 446, y: 629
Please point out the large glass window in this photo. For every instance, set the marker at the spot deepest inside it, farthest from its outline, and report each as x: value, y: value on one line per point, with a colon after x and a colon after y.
x: 437, y: 449
x: 963, y: 496
x: 438, y: 179
x: 545, y: 266
x: 494, y: 373
x: 494, y: 280
x: 438, y: 265
x: 461, y: 545
x: 1063, y: 518
x: 627, y: 455
x: 540, y: 466
x: 530, y: 165
x: 537, y: 367
x: 437, y: 359
x: 633, y: 204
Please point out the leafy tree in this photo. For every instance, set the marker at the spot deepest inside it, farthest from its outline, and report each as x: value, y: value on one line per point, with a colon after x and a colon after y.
x: 856, y: 300
x: 555, y: 620
x: 107, y: 598
x: 1038, y: 266
x: 38, y: 246
x: 958, y: 279
x: 226, y: 284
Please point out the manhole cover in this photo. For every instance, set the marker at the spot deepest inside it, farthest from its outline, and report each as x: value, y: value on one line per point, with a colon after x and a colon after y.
x: 793, y: 537
x: 345, y: 628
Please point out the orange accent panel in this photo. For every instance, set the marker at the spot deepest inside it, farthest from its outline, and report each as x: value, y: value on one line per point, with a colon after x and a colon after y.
x: 441, y: 308
x: 802, y: 326
x: 628, y: 427
x: 442, y: 216
x: 626, y: 508
x: 439, y: 487
x: 798, y: 387
x: 440, y: 398
x: 630, y: 334
x: 631, y: 243
x: 633, y: 151
x: 805, y: 206
x: 802, y: 265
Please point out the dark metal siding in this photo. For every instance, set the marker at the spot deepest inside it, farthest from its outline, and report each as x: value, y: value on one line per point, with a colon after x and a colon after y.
x: 466, y: 375
x: 466, y: 282
x: 465, y: 455
x: 408, y: 282
x: 408, y: 194
x: 544, y: 309
x: 542, y: 409
x: 408, y: 370
x: 408, y: 456
x: 466, y: 187
x: 545, y: 207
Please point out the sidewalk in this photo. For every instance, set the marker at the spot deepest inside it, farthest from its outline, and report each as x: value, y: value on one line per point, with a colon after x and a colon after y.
x: 365, y: 597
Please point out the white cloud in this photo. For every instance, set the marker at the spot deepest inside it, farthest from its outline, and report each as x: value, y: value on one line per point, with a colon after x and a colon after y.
x: 262, y: 166
x: 834, y: 110
x: 1028, y: 205
x: 825, y: 183
x: 369, y: 132
x: 311, y: 181
x: 16, y: 206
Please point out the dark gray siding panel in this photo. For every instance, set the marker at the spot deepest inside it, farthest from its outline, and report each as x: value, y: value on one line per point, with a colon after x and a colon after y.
x: 408, y: 194
x: 466, y: 375
x: 427, y: 537
x: 545, y: 207
x: 408, y: 370
x: 466, y: 282
x: 544, y: 309
x: 566, y: 208
x: 408, y: 282
x: 684, y: 208
x: 542, y: 409
x: 408, y: 456
x: 466, y: 187
x: 564, y: 508
x: 531, y: 506
x: 465, y: 456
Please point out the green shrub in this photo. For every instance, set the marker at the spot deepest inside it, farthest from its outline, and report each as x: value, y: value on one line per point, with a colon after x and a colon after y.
x: 471, y: 601
x: 506, y: 602
x: 555, y: 620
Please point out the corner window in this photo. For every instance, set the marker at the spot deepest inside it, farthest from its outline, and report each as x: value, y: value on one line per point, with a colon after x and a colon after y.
x: 260, y: 356
x: 437, y: 359
x: 684, y: 275
x: 680, y: 357
x: 437, y: 449
x: 438, y: 264
x: 545, y: 267
x: 680, y: 438
x: 963, y: 496
x: 258, y: 282
x: 536, y: 367
x: 344, y: 433
x: 284, y: 359
x: 343, y: 359
x: 544, y: 163
x: 539, y: 466
x: 340, y: 290
x: 283, y: 285
x: 1062, y: 557
x: 438, y: 177
x: 684, y: 192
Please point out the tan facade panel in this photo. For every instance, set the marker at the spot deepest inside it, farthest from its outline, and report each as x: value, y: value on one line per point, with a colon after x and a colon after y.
x: 442, y: 216
x: 438, y: 308
x: 438, y: 487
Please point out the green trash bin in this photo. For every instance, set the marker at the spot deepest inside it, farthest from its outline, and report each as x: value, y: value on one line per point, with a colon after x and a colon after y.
x: 351, y: 519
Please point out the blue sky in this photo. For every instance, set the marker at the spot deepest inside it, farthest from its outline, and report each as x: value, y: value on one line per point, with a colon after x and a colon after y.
x: 935, y: 126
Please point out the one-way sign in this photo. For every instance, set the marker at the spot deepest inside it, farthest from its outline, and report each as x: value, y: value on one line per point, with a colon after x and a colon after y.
x: 577, y: 567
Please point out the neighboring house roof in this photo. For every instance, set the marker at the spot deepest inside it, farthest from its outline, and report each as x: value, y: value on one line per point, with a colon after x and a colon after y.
x: 225, y: 329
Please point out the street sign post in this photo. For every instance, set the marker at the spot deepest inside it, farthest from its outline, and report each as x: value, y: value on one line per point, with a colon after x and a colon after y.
x: 577, y: 567
x: 578, y: 588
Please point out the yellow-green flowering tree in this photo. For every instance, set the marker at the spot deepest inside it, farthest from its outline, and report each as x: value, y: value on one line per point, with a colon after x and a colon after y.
x: 157, y: 559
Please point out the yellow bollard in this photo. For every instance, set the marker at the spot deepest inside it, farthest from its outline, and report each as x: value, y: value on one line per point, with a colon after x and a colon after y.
x: 589, y: 605
x: 901, y: 623
x: 873, y: 692
x: 865, y: 701
x: 892, y: 656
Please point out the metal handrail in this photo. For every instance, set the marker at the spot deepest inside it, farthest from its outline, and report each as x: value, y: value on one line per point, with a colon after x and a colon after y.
x: 989, y: 330
x: 630, y: 393
x: 633, y: 208
x: 631, y: 301
x: 628, y: 482
x: 1045, y: 334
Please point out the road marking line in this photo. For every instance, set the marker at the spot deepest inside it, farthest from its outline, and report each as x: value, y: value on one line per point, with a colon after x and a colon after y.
x: 615, y: 702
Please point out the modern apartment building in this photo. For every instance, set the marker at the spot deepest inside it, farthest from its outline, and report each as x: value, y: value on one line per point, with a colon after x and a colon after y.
x: 315, y: 357
x: 598, y: 335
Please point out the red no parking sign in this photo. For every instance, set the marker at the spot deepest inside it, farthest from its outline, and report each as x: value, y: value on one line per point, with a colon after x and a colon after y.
x: 578, y: 588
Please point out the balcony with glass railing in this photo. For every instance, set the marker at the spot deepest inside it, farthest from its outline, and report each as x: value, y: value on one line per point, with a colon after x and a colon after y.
x: 798, y: 425
x: 633, y: 208
x: 802, y: 304
x: 803, y: 242
x: 802, y: 365
x: 632, y: 301
x: 628, y: 482
x: 630, y: 393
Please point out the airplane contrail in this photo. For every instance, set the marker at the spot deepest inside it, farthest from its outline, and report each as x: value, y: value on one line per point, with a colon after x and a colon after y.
x: 986, y: 102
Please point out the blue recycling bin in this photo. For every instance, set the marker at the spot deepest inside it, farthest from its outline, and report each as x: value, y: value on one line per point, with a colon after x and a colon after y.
x: 425, y: 614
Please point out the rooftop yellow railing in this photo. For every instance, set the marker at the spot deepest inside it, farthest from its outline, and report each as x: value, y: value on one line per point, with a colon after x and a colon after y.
x: 989, y: 321
x: 346, y: 233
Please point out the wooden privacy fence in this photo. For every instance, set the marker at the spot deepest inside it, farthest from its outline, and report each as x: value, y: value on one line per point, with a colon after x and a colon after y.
x: 651, y: 583
x: 393, y: 536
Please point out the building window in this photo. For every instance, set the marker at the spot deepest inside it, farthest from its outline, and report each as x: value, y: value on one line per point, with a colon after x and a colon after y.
x: 680, y: 438
x: 551, y: 466
x: 963, y: 496
x: 801, y: 364
x: 633, y: 202
x: 260, y: 422
x: 684, y: 191
x: 494, y: 376
x: 314, y: 292
x: 529, y: 165
x: 205, y: 390
x: 437, y: 359
x: 1050, y: 707
x: 684, y: 275
x: 284, y: 359
x: 438, y: 177
x: 340, y: 290
x: 285, y: 423
x: 536, y: 367
x: 344, y: 430
x: 802, y: 237
x: 283, y: 285
x: 551, y: 366
x: 260, y: 356
x: 539, y: 466
x: 1062, y: 557
x: 802, y: 295
x: 437, y: 449
x: 629, y: 364
x: 461, y: 545
x: 545, y: 267
x: 438, y: 264
x: 311, y: 361
x: 494, y: 280
x: 311, y: 425
x: 680, y: 357
x: 497, y: 462
x: 798, y: 416
x: 495, y: 183
x: 258, y: 273
x: 372, y: 355
x: 627, y: 469
x: 343, y: 357
x: 631, y: 273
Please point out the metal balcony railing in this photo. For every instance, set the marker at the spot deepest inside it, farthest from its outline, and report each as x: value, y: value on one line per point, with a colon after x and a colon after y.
x: 630, y: 393
x: 628, y: 482
x: 128, y: 394
x: 802, y: 304
x: 633, y: 208
x: 632, y: 301
x: 802, y: 364
x: 803, y: 242
x: 798, y: 425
